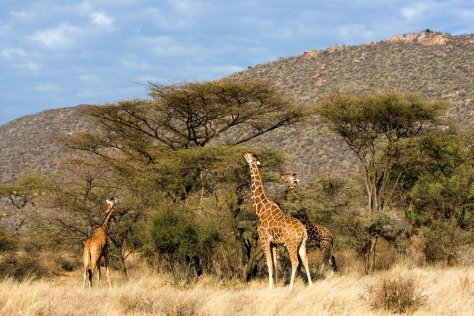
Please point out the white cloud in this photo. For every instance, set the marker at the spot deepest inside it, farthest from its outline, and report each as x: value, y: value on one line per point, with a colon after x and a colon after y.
x: 22, y: 14
x: 47, y: 87
x: 348, y: 32
x: 168, y: 46
x: 101, y: 19
x: 28, y: 65
x: 62, y: 37
x: 189, y: 7
x: 132, y: 63
x: 88, y: 78
x: 12, y: 53
x: 19, y: 59
x: 414, y: 11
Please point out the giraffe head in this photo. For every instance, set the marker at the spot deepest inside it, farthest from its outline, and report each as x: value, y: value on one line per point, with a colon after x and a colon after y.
x: 291, y: 179
x: 251, y: 158
x: 110, y: 205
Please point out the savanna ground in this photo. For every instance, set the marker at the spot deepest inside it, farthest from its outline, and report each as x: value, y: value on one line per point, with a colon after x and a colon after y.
x: 414, y: 291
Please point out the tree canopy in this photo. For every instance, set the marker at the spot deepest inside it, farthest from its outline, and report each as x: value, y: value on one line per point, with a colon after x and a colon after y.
x: 189, y: 115
x: 373, y: 127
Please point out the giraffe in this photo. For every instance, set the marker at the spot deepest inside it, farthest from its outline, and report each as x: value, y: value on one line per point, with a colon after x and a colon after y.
x: 274, y: 227
x: 292, y: 181
x: 318, y: 236
x: 97, y: 246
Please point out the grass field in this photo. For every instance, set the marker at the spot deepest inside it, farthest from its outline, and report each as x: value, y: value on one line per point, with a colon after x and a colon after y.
x: 429, y: 291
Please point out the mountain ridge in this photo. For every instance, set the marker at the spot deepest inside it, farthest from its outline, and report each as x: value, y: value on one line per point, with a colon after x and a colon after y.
x: 433, y: 64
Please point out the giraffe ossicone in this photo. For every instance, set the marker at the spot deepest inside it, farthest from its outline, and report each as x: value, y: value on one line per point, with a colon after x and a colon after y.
x: 274, y: 227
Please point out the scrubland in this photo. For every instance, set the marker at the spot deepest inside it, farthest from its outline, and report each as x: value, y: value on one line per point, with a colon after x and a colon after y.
x: 413, y: 291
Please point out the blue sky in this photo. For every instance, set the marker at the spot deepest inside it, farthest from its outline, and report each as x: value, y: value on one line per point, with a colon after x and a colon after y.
x: 59, y: 53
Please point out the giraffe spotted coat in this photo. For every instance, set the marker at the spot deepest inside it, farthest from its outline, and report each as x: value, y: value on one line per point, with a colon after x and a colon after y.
x: 97, y: 246
x: 274, y: 227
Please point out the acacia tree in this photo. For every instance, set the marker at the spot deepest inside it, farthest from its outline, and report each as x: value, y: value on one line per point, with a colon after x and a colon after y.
x: 183, y: 141
x: 190, y: 115
x: 141, y: 132
x: 374, y: 127
x: 23, y: 193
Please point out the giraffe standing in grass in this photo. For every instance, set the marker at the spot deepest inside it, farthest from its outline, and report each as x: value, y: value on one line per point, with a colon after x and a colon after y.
x: 274, y: 227
x: 318, y: 236
x: 97, y: 246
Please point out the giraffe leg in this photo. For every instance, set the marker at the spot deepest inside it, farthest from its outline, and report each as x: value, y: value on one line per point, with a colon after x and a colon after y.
x: 268, y: 257
x: 326, y: 246
x: 304, y: 260
x: 106, y: 259
x: 85, y: 278
x: 293, y: 252
x: 95, y: 265
x: 275, y: 262
x: 333, y: 263
x: 86, y: 259
x: 91, y: 274
x: 98, y: 273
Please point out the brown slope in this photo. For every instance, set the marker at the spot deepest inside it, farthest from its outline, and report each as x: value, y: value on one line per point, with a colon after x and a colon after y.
x: 30, y: 144
x: 436, y: 65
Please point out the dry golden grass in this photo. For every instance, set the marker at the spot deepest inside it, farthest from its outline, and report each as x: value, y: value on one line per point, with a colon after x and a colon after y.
x: 436, y: 292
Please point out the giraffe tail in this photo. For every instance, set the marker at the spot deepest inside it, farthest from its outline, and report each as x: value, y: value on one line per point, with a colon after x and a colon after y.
x: 333, y: 263
x: 87, y: 258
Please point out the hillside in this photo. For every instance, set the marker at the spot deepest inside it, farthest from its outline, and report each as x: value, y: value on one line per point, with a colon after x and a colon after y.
x: 435, y: 65
x: 30, y: 144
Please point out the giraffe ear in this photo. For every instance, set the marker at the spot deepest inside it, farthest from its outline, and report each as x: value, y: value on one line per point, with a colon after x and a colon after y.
x: 258, y: 163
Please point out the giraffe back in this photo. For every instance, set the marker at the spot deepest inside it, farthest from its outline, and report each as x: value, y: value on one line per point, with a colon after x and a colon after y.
x: 318, y: 236
x: 281, y: 229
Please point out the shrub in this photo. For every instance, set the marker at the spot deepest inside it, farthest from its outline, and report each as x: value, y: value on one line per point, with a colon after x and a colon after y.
x: 397, y: 295
x: 21, y: 267
x: 444, y: 242
x: 183, y: 242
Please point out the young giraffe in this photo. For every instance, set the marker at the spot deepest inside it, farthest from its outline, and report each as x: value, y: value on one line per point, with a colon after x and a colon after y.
x: 274, y: 227
x: 318, y: 236
x: 97, y: 246
x: 292, y: 181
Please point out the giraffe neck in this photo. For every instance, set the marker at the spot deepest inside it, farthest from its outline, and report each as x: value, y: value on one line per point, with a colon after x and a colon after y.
x: 258, y: 193
x: 108, y: 217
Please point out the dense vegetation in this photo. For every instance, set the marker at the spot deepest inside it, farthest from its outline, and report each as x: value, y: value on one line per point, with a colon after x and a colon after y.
x: 183, y: 185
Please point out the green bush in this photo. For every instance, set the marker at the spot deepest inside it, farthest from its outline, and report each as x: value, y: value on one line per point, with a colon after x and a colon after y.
x: 184, y: 243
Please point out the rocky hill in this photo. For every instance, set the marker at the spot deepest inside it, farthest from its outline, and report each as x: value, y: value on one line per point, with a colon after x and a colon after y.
x: 433, y: 64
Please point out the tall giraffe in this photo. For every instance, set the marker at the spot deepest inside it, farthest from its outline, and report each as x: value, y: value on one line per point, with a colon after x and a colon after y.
x: 274, y: 227
x: 97, y: 246
x: 318, y: 236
